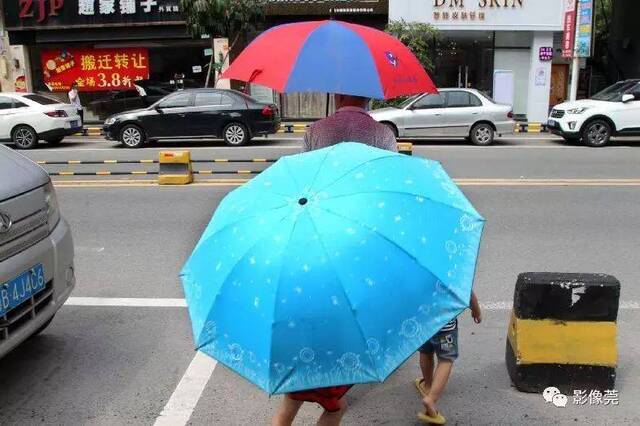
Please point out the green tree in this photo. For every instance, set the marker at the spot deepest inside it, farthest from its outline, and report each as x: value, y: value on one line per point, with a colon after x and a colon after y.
x: 422, y: 39
x: 232, y: 19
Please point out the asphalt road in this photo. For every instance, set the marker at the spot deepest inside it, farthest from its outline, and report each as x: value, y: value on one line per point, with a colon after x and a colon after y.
x: 121, y: 364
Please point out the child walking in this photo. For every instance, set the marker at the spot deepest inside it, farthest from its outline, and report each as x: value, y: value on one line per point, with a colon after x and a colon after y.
x: 445, y: 345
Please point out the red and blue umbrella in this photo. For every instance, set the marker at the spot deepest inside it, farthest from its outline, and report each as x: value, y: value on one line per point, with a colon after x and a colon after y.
x: 331, y: 57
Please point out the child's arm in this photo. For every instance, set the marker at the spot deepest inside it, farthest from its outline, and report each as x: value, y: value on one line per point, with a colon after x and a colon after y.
x: 476, y: 313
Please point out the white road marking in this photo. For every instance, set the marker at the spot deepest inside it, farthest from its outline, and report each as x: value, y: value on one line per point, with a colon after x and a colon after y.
x: 89, y: 249
x: 137, y: 302
x: 502, y: 305
x: 184, y: 399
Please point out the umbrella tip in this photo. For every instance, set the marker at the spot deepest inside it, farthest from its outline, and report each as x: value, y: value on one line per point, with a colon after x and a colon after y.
x: 302, y: 201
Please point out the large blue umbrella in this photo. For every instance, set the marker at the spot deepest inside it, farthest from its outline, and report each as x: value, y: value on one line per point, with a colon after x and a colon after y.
x: 331, y: 267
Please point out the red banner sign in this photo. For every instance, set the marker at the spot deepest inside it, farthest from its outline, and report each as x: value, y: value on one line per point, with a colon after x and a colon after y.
x: 569, y: 35
x: 94, y: 69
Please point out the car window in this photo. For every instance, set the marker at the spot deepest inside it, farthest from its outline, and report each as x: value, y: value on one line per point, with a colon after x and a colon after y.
x: 208, y: 98
x: 458, y: 99
x: 42, y: 100
x: 474, y: 100
x: 635, y: 91
x: 177, y: 101
x: 6, y: 102
x: 226, y: 100
x: 18, y: 104
x: 430, y: 101
x: 614, y: 92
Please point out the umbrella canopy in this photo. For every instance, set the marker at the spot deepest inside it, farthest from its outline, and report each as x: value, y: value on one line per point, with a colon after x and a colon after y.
x: 331, y: 57
x: 331, y: 267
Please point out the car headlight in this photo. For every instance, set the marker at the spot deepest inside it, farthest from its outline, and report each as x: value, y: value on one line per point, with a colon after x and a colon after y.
x: 578, y: 110
x: 53, y: 212
x: 109, y: 121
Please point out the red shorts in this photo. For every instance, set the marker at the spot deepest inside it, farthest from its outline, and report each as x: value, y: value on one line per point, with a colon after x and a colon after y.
x: 328, y: 398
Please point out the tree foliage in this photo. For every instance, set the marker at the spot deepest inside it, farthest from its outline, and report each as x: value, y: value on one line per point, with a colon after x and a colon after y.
x: 233, y: 19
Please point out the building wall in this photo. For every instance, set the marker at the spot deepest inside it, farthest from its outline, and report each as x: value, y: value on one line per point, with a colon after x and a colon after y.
x: 512, y: 53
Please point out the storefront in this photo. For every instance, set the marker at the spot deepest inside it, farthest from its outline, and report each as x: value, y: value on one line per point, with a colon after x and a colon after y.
x: 502, y: 47
x: 108, y: 47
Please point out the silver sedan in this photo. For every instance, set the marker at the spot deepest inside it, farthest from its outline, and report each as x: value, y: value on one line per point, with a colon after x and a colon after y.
x: 464, y: 113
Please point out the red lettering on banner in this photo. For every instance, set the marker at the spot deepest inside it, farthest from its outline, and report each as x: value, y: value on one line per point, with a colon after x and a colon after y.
x: 28, y: 9
x: 25, y: 9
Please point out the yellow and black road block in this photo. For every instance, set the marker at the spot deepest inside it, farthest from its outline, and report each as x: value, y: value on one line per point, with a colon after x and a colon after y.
x: 563, y: 332
x: 175, y: 168
x: 405, y: 148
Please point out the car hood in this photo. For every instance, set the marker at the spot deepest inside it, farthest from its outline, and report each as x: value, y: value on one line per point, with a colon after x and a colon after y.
x: 378, y: 114
x: 583, y: 103
x: 18, y: 174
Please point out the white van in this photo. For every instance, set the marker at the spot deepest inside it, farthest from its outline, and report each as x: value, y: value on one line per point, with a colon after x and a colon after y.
x: 36, y: 251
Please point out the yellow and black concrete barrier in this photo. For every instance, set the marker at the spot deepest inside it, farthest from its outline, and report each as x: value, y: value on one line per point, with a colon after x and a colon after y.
x: 563, y: 332
x: 405, y: 148
x: 175, y: 168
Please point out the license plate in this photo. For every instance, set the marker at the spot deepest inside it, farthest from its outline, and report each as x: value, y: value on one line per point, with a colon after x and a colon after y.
x: 21, y: 288
x: 552, y: 123
x: 73, y: 124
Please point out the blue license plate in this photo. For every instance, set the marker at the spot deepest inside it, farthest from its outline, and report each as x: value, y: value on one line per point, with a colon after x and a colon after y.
x: 21, y: 288
x: 73, y: 124
x: 552, y: 123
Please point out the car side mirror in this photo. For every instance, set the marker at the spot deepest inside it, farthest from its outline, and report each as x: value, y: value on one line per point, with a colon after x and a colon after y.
x: 628, y: 97
x: 158, y: 108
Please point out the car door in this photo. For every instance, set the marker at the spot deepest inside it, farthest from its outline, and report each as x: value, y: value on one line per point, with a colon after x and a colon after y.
x: 207, y: 110
x: 627, y: 114
x: 463, y: 110
x: 170, y: 117
x: 424, y: 117
x: 7, y: 117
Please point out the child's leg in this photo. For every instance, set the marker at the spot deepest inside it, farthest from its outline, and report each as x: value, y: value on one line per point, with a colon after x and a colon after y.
x: 333, y: 419
x: 286, y: 412
x: 426, y: 366
x: 440, y: 379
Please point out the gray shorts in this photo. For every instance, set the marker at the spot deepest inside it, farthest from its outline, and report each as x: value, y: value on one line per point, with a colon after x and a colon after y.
x: 444, y: 344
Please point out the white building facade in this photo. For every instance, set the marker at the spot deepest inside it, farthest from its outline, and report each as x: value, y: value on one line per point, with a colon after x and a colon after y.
x: 503, y: 47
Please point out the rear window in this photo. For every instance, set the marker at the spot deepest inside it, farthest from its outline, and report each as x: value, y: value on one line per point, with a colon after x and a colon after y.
x: 42, y: 100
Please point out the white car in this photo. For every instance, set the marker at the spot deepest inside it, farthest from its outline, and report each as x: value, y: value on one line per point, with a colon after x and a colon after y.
x: 613, y: 112
x: 458, y: 113
x: 26, y: 118
x: 36, y: 251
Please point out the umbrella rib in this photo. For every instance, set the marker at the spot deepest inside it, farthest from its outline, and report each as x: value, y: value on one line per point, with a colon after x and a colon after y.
x: 364, y: 225
x: 426, y: 197
x: 233, y: 269
x: 273, y: 321
x: 364, y: 339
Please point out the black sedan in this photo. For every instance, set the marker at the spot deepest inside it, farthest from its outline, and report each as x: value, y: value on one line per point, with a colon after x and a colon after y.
x: 192, y: 114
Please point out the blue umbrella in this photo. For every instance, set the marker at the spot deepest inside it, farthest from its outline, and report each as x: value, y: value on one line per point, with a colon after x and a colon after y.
x: 331, y: 267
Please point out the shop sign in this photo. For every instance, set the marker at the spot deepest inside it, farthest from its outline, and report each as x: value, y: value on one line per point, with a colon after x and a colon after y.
x: 21, y: 84
x: 511, y: 15
x: 32, y: 14
x: 545, y: 54
x: 585, y: 27
x: 94, y: 69
x: 569, y: 28
x: 326, y: 7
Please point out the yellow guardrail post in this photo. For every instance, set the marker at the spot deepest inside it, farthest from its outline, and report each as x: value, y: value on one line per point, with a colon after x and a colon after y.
x: 174, y: 168
x: 405, y: 148
x: 562, y: 332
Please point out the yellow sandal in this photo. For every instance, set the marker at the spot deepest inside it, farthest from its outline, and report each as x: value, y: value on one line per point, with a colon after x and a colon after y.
x: 418, y: 383
x: 438, y: 419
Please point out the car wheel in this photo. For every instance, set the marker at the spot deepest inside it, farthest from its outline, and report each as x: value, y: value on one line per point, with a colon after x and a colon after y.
x: 132, y: 136
x: 596, y: 133
x: 24, y: 137
x: 482, y: 134
x: 235, y: 134
x: 55, y: 141
x: 393, y: 128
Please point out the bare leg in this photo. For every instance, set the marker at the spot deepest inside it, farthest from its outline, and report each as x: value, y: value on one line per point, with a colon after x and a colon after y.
x: 440, y: 379
x: 286, y: 412
x: 426, y: 366
x: 333, y: 419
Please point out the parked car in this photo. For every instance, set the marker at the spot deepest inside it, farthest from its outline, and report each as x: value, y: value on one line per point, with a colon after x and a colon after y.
x: 464, y: 113
x: 26, y: 118
x: 119, y: 101
x: 613, y: 112
x: 195, y: 113
x: 36, y: 251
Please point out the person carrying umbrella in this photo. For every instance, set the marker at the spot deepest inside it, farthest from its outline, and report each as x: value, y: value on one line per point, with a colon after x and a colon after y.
x: 332, y: 267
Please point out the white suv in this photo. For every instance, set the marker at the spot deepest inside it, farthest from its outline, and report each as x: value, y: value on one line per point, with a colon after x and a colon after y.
x: 613, y: 112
